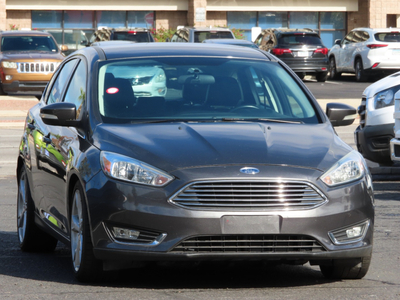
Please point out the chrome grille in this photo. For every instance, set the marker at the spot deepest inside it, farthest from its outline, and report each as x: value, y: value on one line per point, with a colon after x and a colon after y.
x: 249, y: 243
x: 37, y: 67
x: 362, y: 111
x: 269, y: 195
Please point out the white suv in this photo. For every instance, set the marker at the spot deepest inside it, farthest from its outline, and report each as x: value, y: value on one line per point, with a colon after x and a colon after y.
x: 373, y: 135
x: 366, y: 51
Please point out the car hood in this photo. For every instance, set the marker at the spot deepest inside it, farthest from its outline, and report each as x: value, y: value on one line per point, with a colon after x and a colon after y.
x: 383, y: 84
x: 32, y: 55
x: 173, y: 146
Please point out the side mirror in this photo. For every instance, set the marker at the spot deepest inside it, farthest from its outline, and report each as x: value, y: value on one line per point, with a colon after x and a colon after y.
x: 59, y: 114
x: 64, y: 48
x: 340, y: 114
x: 337, y: 42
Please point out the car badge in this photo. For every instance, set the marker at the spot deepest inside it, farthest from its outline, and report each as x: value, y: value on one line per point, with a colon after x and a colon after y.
x: 248, y: 170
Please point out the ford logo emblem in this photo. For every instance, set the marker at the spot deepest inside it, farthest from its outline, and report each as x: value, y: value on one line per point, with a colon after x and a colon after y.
x: 249, y: 170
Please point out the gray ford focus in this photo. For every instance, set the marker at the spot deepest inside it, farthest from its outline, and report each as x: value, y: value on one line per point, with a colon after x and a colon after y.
x: 229, y: 157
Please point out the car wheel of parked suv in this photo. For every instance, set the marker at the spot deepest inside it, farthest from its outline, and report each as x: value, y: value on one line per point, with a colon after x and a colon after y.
x: 85, y: 266
x: 360, y: 74
x: 321, y: 77
x: 333, y: 74
x: 342, y: 270
x: 31, y: 238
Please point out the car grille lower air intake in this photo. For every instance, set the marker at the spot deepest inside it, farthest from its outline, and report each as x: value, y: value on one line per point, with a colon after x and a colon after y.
x: 249, y: 195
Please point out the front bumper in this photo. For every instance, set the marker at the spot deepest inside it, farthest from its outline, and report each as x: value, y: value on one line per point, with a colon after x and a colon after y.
x: 36, y: 87
x: 373, y: 142
x: 178, y: 233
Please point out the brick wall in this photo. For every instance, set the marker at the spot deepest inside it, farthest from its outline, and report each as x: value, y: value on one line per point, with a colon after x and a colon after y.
x: 170, y: 19
x: 216, y: 18
x: 379, y: 9
x: 359, y: 18
x: 19, y: 18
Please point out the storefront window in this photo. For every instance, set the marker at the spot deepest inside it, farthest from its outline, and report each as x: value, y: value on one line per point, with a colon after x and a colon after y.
x: 115, y: 19
x: 333, y: 20
x: 329, y: 37
x: 272, y: 19
x: 303, y: 20
x: 46, y: 19
x: 78, y: 19
x: 141, y: 19
x: 242, y: 20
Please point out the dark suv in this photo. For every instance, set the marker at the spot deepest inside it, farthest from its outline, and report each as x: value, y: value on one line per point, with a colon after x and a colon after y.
x: 139, y: 35
x: 301, y: 49
x: 199, y: 34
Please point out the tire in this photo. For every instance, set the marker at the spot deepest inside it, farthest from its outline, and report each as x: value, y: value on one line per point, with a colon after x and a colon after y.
x: 342, y: 271
x: 360, y: 73
x: 333, y: 74
x: 2, y: 91
x: 85, y: 266
x: 322, y: 76
x: 30, y: 237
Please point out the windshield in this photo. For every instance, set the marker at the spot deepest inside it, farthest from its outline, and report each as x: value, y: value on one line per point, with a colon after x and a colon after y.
x: 28, y: 43
x: 140, y: 37
x: 200, y: 89
x: 200, y: 36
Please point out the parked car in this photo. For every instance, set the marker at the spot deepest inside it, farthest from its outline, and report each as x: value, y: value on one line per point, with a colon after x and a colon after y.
x: 375, y: 131
x: 73, y: 39
x: 395, y: 142
x: 28, y: 59
x: 213, y: 171
x: 301, y: 49
x: 138, y: 35
x: 366, y: 52
x: 199, y: 34
x: 233, y: 42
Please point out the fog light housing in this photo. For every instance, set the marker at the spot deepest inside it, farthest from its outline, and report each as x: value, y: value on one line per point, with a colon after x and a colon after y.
x: 349, y: 234
x: 8, y: 77
x: 126, y: 234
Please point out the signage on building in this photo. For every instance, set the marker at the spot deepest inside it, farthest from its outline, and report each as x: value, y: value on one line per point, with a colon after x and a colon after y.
x: 200, y: 15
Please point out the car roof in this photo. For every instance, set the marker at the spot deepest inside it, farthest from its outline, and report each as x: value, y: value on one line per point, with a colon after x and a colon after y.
x: 204, y: 28
x: 25, y: 32
x: 378, y: 29
x: 227, y: 41
x: 180, y: 49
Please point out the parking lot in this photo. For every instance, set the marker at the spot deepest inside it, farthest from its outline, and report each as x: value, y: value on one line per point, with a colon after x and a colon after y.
x: 48, y: 276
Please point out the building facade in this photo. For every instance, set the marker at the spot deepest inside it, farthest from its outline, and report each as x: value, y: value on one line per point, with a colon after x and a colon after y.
x: 73, y: 21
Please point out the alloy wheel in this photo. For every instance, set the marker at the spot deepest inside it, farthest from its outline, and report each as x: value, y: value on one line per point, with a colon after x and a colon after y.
x: 22, y: 208
x: 77, y: 230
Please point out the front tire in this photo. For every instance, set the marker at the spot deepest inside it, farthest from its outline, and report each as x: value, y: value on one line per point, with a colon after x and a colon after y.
x: 31, y: 238
x: 339, y: 270
x: 85, y: 266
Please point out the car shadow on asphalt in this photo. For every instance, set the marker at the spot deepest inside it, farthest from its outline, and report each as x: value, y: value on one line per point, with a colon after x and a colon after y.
x: 55, y: 267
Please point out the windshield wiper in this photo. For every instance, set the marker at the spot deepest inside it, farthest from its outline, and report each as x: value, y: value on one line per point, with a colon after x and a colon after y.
x: 260, y: 120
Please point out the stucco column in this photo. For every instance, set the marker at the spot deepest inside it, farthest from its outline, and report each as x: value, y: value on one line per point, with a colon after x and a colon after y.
x: 3, y: 16
x: 197, y: 12
x: 398, y: 21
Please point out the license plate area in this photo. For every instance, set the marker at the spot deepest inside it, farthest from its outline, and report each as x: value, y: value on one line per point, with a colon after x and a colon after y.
x: 250, y: 224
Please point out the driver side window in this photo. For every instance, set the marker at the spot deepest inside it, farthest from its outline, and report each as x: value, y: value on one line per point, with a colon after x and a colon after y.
x: 60, y: 83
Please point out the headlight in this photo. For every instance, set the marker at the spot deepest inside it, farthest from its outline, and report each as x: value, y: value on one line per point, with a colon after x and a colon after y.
x: 9, y: 64
x: 132, y: 170
x: 385, y: 98
x: 351, y: 167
